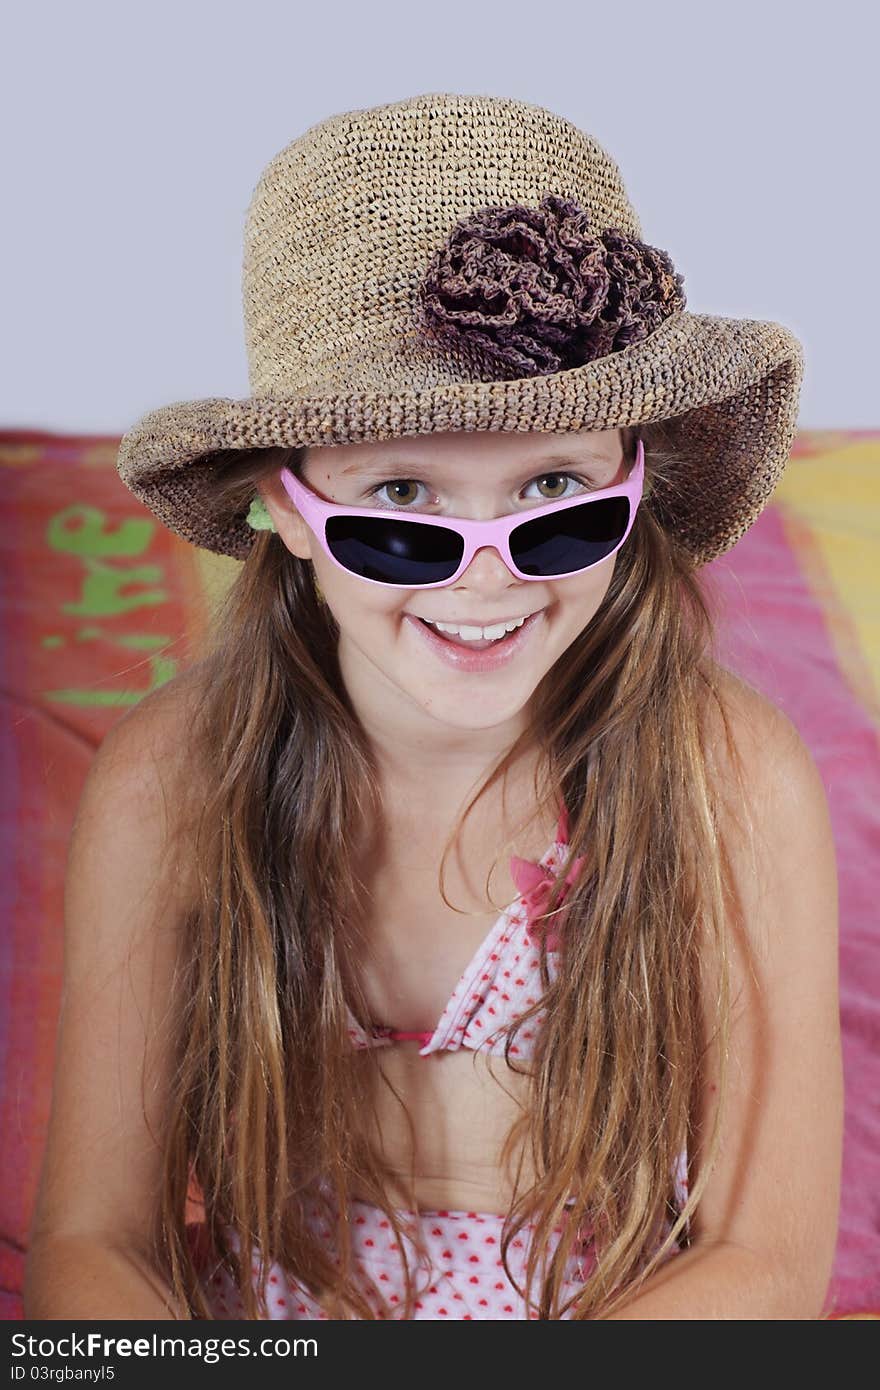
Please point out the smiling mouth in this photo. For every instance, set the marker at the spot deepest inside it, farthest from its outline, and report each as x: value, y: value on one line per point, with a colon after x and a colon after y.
x: 507, y: 636
x: 478, y: 622
x: 477, y: 637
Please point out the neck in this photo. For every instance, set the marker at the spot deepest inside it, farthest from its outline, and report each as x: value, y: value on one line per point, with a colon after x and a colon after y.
x: 441, y: 788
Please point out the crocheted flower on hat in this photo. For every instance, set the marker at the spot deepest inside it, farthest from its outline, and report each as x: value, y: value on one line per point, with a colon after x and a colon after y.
x: 528, y: 291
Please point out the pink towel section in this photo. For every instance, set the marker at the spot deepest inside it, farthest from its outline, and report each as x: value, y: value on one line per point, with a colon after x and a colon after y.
x: 800, y: 593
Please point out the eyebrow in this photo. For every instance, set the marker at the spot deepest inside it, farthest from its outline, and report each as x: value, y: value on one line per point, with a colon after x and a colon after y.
x: 566, y: 460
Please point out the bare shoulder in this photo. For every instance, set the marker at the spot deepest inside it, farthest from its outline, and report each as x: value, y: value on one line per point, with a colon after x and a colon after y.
x: 759, y: 725
x: 756, y: 755
x: 149, y: 747
x: 145, y: 791
x: 164, y: 713
x: 773, y: 816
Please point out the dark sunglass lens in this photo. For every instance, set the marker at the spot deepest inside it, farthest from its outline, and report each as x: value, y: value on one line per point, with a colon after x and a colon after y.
x: 571, y: 539
x: 394, y: 551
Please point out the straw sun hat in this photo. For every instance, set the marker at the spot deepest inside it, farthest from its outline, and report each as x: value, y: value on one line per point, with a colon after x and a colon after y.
x: 472, y: 263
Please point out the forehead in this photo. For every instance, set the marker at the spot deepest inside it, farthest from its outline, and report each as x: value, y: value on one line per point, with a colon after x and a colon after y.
x: 496, y: 450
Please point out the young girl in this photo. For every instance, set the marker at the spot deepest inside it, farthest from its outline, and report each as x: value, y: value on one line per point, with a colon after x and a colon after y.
x: 473, y: 931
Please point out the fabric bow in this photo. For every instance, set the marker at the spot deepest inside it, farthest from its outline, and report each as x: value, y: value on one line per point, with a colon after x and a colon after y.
x: 535, y: 882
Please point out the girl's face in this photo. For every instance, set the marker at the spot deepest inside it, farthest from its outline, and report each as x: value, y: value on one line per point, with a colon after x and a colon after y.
x: 385, y: 652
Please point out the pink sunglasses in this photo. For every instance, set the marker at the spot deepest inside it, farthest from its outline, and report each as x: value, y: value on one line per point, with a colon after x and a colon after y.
x: 426, y: 552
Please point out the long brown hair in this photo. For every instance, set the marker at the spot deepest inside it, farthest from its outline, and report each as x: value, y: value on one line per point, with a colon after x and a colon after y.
x: 268, y: 1101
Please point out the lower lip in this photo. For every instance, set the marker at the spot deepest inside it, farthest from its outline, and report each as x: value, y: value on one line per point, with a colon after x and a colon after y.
x: 466, y: 659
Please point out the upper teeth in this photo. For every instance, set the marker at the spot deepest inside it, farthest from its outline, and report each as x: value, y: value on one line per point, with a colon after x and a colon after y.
x: 479, y: 634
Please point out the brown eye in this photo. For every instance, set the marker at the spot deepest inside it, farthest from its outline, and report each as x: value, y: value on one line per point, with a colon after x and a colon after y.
x: 560, y: 479
x: 400, y: 492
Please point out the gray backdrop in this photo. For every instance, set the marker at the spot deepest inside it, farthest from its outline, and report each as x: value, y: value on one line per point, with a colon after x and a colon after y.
x: 133, y: 136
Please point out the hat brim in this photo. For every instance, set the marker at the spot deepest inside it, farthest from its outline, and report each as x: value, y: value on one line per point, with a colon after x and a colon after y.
x: 727, y: 390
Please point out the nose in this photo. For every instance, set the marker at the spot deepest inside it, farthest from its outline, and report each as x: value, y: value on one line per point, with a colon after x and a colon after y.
x: 488, y: 568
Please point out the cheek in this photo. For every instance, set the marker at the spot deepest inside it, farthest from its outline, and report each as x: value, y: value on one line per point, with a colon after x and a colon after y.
x: 580, y: 597
x: 354, y: 602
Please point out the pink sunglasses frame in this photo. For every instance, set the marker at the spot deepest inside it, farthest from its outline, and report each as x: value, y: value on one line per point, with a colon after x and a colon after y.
x: 475, y: 534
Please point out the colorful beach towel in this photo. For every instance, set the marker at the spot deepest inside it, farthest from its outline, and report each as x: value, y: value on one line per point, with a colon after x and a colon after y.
x: 100, y: 604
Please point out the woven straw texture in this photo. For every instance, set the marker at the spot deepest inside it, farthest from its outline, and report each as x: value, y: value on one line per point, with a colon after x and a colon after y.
x: 339, y: 234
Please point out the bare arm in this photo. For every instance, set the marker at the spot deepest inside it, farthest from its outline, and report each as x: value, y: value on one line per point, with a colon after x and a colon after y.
x: 718, y: 1282
x: 81, y: 1279
x: 764, y: 1233
x: 124, y: 901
